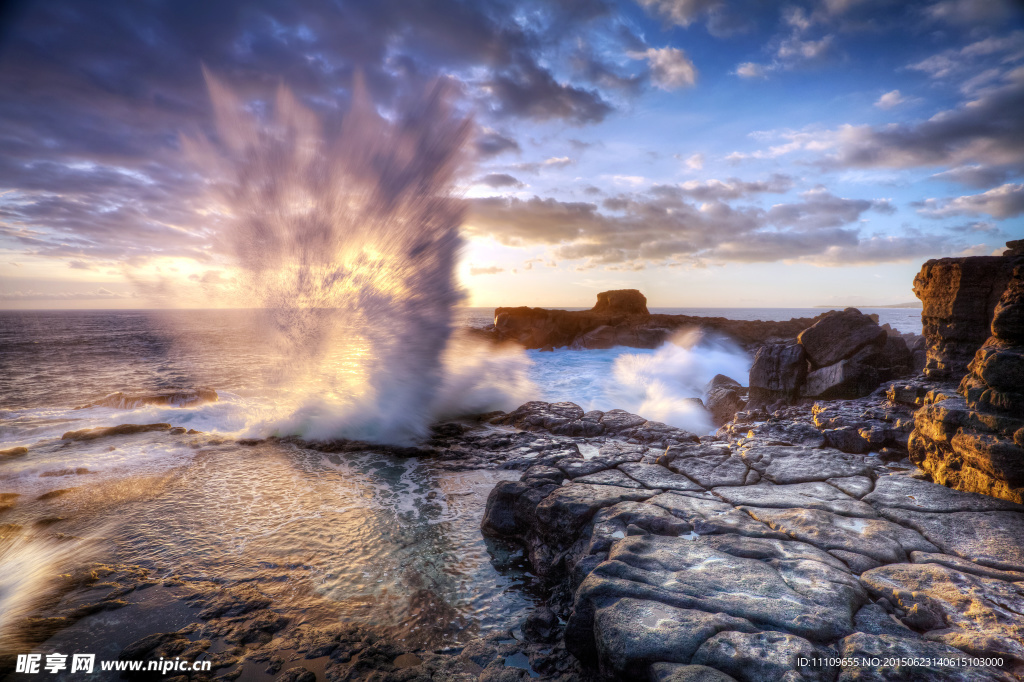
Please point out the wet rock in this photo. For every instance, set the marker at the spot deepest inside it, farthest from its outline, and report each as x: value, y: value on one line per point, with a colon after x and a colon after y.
x: 904, y: 651
x: 708, y: 465
x: 978, y: 615
x: 965, y: 566
x: 105, y: 431
x: 609, y: 477
x: 297, y: 674
x: 875, y: 620
x: 763, y: 656
x: 723, y: 397
x: 777, y: 373
x: 782, y: 464
x: 541, y: 625
x: 854, y: 486
x: 631, y: 634
x: 14, y: 452
x: 838, y: 335
x: 903, y: 492
x: 657, y: 476
x: 878, y: 539
x: 993, y: 539
x: 813, y: 495
x: 772, y: 584
x: 713, y: 517
x: 674, y: 672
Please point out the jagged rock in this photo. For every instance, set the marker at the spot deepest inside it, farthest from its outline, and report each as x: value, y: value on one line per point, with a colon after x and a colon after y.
x: 959, y: 297
x: 978, y: 615
x: 778, y: 373
x: 764, y: 656
x: 875, y: 620
x: 852, y: 378
x: 838, y: 335
x: 904, y: 651
x: 724, y: 398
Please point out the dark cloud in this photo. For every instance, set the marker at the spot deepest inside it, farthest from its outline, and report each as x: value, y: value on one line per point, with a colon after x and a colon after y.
x: 529, y: 91
x: 733, y: 188
x: 821, y: 209
x: 490, y: 143
x: 499, y: 180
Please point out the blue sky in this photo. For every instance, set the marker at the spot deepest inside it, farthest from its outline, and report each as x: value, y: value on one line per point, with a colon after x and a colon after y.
x: 709, y: 152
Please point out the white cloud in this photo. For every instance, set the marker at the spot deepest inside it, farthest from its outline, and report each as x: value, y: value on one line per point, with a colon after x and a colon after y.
x: 1005, y: 201
x: 670, y: 67
x: 891, y: 99
x: 751, y: 70
x: 696, y: 161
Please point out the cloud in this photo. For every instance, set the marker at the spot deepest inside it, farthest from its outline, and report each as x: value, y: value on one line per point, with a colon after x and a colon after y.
x: 1005, y: 201
x: 720, y: 19
x: 529, y: 91
x: 957, y: 12
x: 547, y: 164
x: 491, y: 143
x: 733, y: 188
x: 30, y: 295
x: 489, y: 270
x: 891, y: 99
x: 670, y: 67
x: 499, y: 180
x: 974, y: 175
x: 662, y: 227
x: 695, y: 161
x: 751, y: 70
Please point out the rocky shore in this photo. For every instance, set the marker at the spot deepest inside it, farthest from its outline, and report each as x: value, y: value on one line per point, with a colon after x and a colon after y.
x: 856, y: 516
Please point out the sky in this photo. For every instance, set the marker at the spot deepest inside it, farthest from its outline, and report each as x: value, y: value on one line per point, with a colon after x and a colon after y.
x: 711, y: 153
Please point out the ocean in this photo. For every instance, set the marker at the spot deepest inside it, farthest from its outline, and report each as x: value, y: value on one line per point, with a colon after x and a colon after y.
x: 365, y: 538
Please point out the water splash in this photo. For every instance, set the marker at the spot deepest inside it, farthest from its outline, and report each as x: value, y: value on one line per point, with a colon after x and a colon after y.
x: 663, y: 385
x: 345, y: 240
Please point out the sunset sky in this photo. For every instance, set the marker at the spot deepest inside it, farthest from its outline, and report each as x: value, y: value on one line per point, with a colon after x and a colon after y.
x: 707, y: 152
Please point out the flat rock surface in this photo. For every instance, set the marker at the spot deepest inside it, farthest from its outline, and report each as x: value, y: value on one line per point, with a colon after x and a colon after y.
x: 904, y: 492
x: 994, y: 539
x: 811, y: 495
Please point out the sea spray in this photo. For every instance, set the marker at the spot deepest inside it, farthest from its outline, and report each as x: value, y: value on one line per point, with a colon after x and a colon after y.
x: 660, y: 384
x: 346, y: 244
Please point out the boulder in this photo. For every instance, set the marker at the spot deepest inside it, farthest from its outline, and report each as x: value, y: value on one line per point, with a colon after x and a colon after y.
x: 778, y: 373
x: 723, y: 398
x: 838, y: 335
x: 844, y: 380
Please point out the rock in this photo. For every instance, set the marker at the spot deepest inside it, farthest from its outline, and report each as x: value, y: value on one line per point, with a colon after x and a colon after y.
x: 14, y: 452
x: 296, y: 674
x: 838, y: 335
x: 778, y: 373
x: 965, y: 566
x: 708, y: 465
x: 844, y: 379
x: 904, y: 651
x: 609, y: 477
x: 631, y: 634
x: 621, y: 318
x: 621, y: 301
x: 121, y: 430
x: 847, y: 439
x: 812, y: 495
x: 959, y: 296
x: 764, y: 656
x: 878, y: 539
x: 993, y: 538
x: 875, y: 620
x: 978, y: 615
x: 182, y: 397
x: 712, y: 517
x: 772, y: 584
x: 724, y: 398
x: 657, y: 476
x: 782, y: 464
x: 674, y: 672
x: 854, y: 486
x: 541, y: 625
x: 903, y: 492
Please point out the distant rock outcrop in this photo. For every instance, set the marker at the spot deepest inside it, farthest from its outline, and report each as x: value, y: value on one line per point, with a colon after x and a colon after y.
x: 975, y: 441
x: 621, y: 318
